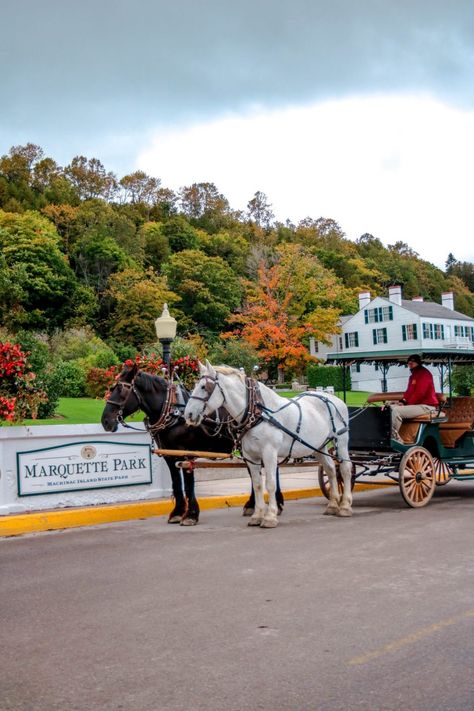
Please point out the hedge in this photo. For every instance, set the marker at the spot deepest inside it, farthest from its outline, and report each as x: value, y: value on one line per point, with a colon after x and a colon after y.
x: 324, y: 375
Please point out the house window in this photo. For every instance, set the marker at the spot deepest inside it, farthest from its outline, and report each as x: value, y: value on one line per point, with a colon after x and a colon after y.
x: 355, y: 368
x: 352, y: 339
x: 433, y: 331
x: 465, y: 331
x: 409, y: 332
x: 381, y: 313
x: 379, y: 335
x: 340, y: 343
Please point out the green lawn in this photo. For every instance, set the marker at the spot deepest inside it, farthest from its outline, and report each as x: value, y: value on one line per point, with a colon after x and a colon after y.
x: 353, y: 399
x: 83, y: 410
x: 78, y: 411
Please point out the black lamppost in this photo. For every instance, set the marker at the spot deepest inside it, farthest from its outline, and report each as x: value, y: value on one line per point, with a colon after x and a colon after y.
x: 165, y: 327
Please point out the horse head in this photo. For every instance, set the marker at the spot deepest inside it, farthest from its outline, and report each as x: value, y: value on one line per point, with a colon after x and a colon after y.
x: 206, y: 397
x: 123, y: 399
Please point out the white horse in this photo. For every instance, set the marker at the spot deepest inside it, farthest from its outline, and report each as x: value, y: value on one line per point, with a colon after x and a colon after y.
x: 273, y: 428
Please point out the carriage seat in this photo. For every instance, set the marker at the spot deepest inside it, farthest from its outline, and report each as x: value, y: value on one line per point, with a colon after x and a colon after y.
x: 460, y: 419
x: 409, y: 428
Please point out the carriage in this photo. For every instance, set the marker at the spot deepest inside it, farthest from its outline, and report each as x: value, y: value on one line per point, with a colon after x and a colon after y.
x: 436, y: 448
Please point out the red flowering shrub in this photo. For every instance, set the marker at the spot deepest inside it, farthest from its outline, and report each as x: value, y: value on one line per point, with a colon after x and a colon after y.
x: 101, y: 380
x: 19, y: 395
x: 186, y: 368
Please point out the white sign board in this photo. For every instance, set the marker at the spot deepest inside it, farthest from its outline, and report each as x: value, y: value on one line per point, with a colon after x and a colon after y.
x: 83, y: 465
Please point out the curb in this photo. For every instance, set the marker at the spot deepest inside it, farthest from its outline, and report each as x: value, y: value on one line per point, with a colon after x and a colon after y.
x: 35, y: 522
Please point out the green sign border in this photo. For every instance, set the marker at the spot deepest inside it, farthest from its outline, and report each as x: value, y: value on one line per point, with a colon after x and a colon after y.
x: 84, y: 488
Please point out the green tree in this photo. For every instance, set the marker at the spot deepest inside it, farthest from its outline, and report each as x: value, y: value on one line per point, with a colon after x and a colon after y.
x: 46, y: 283
x: 137, y: 302
x: 179, y: 233
x: 259, y: 210
x: 90, y: 179
x: 156, y: 245
x: 233, y: 248
x: 138, y: 187
x: 205, y: 206
x: 208, y: 287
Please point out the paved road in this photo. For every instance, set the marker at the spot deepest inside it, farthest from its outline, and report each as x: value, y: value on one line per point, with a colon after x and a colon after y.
x: 323, y: 614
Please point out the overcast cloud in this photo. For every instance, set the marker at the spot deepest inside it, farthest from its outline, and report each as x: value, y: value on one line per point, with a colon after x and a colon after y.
x: 106, y: 77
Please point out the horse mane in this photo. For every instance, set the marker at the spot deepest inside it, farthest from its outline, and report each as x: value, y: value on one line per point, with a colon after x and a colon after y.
x: 148, y: 381
x: 228, y: 370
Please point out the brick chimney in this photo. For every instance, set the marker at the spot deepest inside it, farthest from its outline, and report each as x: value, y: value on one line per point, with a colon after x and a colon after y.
x: 447, y: 300
x: 364, y: 299
x: 395, y: 294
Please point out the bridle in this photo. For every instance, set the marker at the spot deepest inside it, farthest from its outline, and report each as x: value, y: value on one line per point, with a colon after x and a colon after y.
x: 209, y: 386
x: 129, y: 388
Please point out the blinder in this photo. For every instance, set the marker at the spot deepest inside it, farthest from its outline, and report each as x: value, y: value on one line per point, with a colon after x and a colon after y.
x: 210, y: 385
x: 121, y: 385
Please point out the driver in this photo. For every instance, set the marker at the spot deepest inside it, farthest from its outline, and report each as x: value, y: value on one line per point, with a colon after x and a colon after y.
x: 418, y: 399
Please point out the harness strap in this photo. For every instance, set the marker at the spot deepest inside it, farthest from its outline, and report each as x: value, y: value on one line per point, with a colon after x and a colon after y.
x: 271, y: 420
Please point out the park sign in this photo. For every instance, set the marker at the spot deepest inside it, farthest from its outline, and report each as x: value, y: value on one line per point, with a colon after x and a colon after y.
x: 82, y: 466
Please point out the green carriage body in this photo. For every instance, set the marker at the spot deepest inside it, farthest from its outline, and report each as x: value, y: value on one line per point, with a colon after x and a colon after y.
x: 438, y: 451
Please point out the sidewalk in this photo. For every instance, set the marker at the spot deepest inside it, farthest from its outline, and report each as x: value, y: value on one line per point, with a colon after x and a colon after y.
x: 215, y: 488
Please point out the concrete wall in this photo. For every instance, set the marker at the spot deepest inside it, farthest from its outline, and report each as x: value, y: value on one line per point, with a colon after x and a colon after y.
x: 17, y: 440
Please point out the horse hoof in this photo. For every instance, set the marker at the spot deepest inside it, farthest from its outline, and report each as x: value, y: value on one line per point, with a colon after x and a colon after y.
x: 248, y: 512
x: 255, y: 521
x: 174, y: 519
x: 345, y: 513
x: 269, y: 523
x: 331, y: 510
x: 189, y: 522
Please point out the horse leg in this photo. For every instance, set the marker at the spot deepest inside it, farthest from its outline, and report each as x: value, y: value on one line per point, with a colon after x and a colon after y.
x: 179, y: 502
x: 279, y: 494
x: 270, y: 520
x: 257, y: 486
x: 345, y: 507
x: 249, y: 506
x: 327, y: 463
x: 191, y: 515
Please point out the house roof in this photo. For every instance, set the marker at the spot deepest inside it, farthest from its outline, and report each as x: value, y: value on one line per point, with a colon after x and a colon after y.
x: 428, y: 355
x: 429, y: 309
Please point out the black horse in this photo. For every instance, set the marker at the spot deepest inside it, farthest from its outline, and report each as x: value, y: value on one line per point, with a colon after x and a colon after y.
x: 163, y: 404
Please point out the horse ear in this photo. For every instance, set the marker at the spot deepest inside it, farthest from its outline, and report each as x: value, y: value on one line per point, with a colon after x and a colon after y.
x: 210, y: 369
x: 130, y: 369
x: 202, y: 368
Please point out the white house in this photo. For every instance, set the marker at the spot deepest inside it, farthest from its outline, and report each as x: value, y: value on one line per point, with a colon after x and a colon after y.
x: 396, y: 324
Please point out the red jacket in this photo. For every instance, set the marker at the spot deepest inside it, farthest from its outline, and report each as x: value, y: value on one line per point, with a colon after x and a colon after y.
x: 420, y: 389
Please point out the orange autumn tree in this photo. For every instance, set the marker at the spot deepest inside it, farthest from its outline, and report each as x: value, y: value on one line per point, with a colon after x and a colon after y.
x: 292, y: 300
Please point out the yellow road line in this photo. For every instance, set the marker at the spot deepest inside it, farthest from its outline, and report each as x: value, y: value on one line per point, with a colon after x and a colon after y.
x: 17, y: 524
x: 398, y: 644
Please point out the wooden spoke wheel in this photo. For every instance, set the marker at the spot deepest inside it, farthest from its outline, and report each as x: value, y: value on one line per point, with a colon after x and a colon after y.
x: 323, y: 480
x: 443, y: 471
x: 417, y: 480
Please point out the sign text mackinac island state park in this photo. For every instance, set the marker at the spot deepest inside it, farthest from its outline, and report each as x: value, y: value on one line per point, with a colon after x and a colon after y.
x: 83, y: 465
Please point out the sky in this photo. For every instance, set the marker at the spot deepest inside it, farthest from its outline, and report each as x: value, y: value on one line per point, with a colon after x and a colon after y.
x: 362, y: 112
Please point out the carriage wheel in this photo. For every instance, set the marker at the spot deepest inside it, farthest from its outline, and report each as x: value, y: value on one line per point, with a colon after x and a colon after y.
x: 417, y: 478
x: 323, y: 480
x: 443, y: 471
